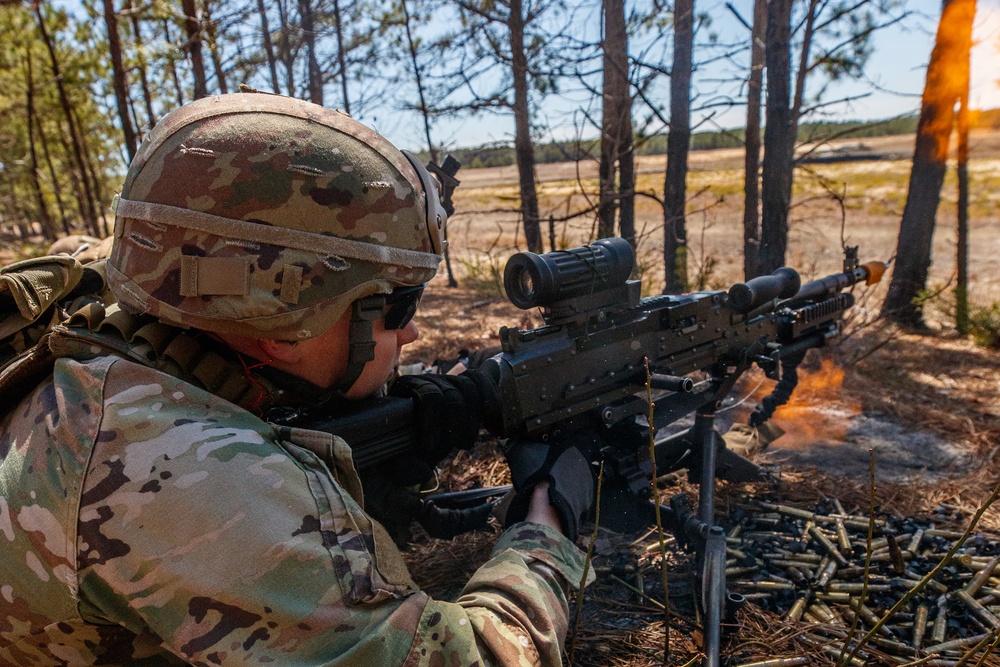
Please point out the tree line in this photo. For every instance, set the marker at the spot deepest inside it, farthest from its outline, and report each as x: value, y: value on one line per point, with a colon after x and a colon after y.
x: 79, y: 90
x: 502, y: 155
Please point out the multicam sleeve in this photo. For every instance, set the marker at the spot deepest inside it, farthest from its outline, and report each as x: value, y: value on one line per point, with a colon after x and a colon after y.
x: 228, y: 547
x: 514, y: 610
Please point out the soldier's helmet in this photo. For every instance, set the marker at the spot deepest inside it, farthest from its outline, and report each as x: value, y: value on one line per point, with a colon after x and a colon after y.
x: 268, y: 216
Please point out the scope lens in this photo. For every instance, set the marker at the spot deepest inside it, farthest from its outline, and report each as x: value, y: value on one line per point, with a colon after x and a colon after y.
x: 526, y: 284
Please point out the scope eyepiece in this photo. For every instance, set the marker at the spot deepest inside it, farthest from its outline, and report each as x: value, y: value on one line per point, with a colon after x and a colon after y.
x: 533, y: 280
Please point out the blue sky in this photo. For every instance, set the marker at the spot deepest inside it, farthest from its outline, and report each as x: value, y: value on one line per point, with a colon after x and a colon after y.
x: 895, y: 79
x: 896, y: 67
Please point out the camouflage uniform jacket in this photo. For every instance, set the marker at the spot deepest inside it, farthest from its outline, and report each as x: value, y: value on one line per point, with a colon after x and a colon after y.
x: 147, y: 522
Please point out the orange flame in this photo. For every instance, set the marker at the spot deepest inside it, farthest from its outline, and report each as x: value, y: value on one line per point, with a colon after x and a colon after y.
x: 817, y: 411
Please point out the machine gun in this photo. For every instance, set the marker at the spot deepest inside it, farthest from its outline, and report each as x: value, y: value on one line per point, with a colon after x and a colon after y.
x: 609, y: 370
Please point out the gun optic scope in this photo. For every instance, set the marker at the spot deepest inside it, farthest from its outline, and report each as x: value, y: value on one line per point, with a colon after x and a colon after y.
x: 540, y: 280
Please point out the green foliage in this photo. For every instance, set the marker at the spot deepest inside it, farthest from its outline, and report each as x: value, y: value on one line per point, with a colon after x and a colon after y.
x: 983, y: 321
x: 502, y: 155
x: 984, y: 324
x: 817, y: 131
x: 705, y: 275
x: 700, y: 141
x: 82, y: 61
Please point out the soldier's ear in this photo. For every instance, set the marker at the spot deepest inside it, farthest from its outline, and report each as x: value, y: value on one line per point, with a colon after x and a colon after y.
x: 281, y: 351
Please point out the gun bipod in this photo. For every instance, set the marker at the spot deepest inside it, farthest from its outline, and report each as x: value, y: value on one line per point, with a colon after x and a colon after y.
x: 708, y: 539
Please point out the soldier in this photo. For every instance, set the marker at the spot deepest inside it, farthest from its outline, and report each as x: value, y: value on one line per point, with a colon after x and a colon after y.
x: 268, y: 252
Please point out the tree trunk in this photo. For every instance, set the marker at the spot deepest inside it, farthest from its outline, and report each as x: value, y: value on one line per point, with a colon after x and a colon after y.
x: 341, y: 55
x: 15, y: 209
x: 617, y: 111
x: 56, y: 188
x: 76, y: 185
x: 133, y: 114
x: 962, y: 245
x: 147, y: 96
x: 803, y: 69
x: 178, y: 89
x: 678, y: 143
x: 937, y: 113
x: 43, y: 210
x: 779, y: 143
x: 87, y: 208
x: 418, y: 75
x: 119, y: 77
x: 272, y: 63
x: 962, y: 249
x: 626, y: 138
x: 524, y: 151
x: 213, y: 47
x: 286, y: 53
x: 315, y: 81
x: 626, y: 183
x: 751, y: 179
x: 91, y: 166
x: 192, y: 47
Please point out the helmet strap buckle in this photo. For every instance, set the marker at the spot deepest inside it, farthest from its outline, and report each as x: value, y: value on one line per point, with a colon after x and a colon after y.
x: 361, y: 342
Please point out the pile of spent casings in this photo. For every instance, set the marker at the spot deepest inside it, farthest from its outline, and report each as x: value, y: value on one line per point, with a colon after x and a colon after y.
x: 809, y: 567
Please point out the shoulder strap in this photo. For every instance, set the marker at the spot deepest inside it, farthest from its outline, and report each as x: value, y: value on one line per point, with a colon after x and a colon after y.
x: 33, y: 293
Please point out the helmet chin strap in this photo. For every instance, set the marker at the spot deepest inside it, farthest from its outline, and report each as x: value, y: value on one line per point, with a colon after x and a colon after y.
x: 361, y: 342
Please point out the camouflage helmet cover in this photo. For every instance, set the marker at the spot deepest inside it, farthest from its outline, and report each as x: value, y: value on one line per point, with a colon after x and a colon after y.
x: 268, y: 216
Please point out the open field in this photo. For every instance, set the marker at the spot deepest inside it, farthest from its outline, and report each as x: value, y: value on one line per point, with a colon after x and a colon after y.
x: 485, y: 230
x: 860, y: 202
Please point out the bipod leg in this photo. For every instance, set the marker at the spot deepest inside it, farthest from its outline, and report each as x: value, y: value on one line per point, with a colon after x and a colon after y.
x: 712, y: 565
x: 713, y: 593
x: 707, y: 437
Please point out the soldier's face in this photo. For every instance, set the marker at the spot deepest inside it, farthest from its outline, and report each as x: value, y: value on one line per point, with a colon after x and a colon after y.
x: 322, y: 360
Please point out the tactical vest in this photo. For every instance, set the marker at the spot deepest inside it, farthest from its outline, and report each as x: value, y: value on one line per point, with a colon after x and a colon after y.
x: 52, y: 307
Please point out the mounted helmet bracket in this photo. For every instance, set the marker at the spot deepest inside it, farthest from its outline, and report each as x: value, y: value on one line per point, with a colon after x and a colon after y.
x: 437, y: 215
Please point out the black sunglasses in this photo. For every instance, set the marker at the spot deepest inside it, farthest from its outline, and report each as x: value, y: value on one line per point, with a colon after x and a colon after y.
x: 401, y: 304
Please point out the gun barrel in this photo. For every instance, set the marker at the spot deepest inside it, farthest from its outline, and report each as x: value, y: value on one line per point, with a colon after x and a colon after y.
x: 870, y: 273
x: 671, y: 383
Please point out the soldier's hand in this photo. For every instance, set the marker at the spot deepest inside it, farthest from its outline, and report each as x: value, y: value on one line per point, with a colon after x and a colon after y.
x: 569, y: 476
x: 396, y: 506
x: 448, y: 412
